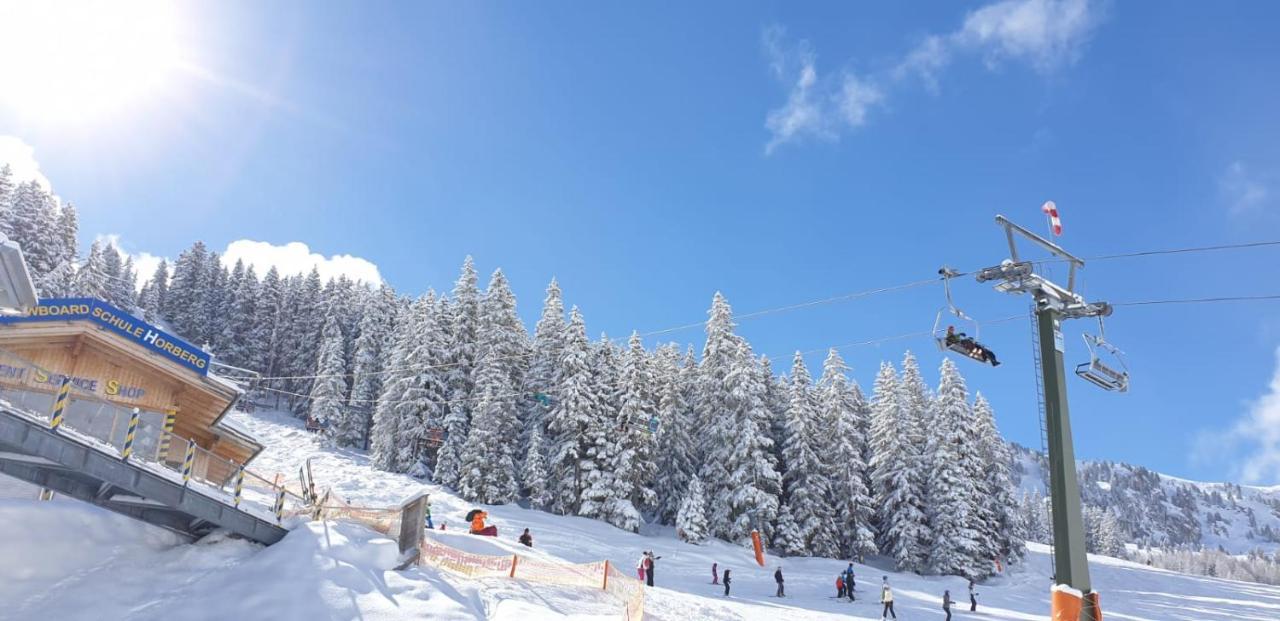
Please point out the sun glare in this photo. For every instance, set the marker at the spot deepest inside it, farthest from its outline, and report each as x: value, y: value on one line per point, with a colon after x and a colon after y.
x: 83, y: 60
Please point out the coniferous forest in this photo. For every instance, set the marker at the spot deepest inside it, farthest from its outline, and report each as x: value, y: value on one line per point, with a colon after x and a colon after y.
x: 451, y: 386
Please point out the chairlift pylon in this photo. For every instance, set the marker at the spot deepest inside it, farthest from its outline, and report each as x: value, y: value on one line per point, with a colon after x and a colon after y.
x: 1100, y: 374
x: 959, y: 342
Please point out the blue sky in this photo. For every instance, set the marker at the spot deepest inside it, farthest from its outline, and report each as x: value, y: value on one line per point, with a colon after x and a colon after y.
x: 648, y: 156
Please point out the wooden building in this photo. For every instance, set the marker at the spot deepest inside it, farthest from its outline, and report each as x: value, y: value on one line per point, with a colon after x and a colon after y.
x: 123, y: 361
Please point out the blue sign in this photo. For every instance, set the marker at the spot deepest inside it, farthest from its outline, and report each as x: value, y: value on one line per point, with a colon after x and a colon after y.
x: 120, y: 322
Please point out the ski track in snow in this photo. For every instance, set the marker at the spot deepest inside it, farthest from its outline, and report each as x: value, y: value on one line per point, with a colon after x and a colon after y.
x: 67, y: 560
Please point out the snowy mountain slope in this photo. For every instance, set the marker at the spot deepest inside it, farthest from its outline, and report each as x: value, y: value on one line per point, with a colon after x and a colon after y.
x: 1160, y: 510
x: 64, y: 560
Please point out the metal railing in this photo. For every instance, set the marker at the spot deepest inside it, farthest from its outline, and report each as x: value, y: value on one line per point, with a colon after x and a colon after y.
x: 139, y: 437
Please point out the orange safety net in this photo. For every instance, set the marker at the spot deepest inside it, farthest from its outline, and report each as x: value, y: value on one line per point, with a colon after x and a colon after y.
x: 1065, y: 605
x: 598, y: 575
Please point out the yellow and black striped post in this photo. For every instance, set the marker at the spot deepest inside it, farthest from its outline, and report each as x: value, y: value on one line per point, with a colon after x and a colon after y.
x: 188, y: 460
x: 279, y: 506
x: 60, y: 403
x: 239, y: 485
x: 130, y: 434
x: 169, y: 418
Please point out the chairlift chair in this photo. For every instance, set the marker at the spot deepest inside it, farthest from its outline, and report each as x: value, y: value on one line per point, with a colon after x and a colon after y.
x: 1100, y: 374
x: 959, y: 342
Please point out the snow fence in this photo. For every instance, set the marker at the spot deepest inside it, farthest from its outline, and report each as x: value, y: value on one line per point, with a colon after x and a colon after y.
x: 599, y: 575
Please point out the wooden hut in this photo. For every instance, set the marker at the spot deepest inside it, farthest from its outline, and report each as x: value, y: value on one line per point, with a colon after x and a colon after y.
x: 122, y: 360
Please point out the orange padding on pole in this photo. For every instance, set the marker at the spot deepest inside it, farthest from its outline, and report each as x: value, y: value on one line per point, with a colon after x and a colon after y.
x: 756, y: 543
x: 1096, y: 604
x: 1065, y: 604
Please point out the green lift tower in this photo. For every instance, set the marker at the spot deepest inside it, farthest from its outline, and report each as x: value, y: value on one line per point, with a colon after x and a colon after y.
x: 1054, y: 303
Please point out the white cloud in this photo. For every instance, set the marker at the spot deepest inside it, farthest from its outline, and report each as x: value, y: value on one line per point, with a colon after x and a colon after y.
x: 1256, y: 436
x: 1045, y: 34
x: 811, y: 109
x: 21, y: 158
x: 856, y: 97
x: 1243, y: 190
x: 297, y: 258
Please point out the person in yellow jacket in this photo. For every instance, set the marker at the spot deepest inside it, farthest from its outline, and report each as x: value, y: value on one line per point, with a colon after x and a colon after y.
x: 886, y: 598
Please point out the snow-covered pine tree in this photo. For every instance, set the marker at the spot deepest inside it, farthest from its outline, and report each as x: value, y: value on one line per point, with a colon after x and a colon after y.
x: 806, y: 490
x: 787, y: 538
x: 574, y: 410
x: 544, y: 362
x: 185, y: 306
x: 488, y: 471
x: 61, y: 281
x: 841, y: 409
x: 601, y: 498
x: 369, y: 356
x: 901, y: 521
x: 385, y: 436
x: 305, y: 319
x: 489, y: 458
x: 534, y: 473
x: 675, y: 430
x: 462, y: 325
x: 242, y: 298
x: 156, y: 293
x: 711, y: 410
x: 213, y: 318
x: 1110, y: 536
x: 269, y: 318
x: 119, y: 289
x: 750, y: 491
x: 691, y: 518
x: 7, y: 187
x: 633, y: 459
x: 421, y: 404
x: 68, y: 233
x: 34, y: 227
x: 91, y: 279
x: 1005, y: 530
x: 327, y: 393
x: 129, y: 276
x: 952, y: 492
x: 777, y: 399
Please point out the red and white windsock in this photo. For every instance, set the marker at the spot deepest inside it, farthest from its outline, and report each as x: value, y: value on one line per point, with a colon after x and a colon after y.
x: 1055, y: 222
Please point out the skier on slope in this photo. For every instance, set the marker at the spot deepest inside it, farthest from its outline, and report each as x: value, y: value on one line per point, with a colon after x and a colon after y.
x: 850, y: 583
x: 726, y: 583
x: 946, y: 604
x: 777, y: 577
x: 641, y: 565
x: 715, y: 574
x: 839, y: 586
x: 886, y: 598
x: 526, y: 538
x: 973, y: 598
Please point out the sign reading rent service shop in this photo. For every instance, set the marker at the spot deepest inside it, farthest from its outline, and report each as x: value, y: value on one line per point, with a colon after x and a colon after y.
x: 120, y: 322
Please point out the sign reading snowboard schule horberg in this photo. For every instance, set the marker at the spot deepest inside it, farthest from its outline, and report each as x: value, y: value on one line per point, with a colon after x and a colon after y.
x: 120, y: 322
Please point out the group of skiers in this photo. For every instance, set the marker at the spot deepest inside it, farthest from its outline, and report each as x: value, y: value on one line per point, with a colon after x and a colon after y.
x: 846, y: 581
x: 644, y: 567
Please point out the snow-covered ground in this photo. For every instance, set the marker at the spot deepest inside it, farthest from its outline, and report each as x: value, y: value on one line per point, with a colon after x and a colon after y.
x: 65, y: 560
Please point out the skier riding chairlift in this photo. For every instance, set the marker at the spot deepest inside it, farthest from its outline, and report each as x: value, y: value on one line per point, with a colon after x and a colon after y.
x: 959, y: 342
x: 962, y: 343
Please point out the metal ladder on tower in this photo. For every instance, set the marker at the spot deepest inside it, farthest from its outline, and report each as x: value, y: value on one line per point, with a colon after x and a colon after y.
x: 1045, y: 473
